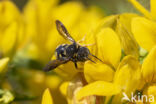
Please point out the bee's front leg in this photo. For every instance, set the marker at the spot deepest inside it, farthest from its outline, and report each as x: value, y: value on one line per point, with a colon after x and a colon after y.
x: 86, y: 45
x: 84, y: 37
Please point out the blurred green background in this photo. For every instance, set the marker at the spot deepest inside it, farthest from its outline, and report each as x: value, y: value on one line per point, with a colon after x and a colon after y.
x: 108, y: 6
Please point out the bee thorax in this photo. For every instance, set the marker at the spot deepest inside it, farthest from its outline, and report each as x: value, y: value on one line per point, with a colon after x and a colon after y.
x: 61, y: 51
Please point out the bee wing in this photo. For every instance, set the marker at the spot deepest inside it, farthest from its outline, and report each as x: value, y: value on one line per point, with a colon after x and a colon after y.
x: 63, y: 31
x: 55, y: 63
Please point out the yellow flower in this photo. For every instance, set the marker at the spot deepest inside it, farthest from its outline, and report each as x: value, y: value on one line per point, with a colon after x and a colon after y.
x: 9, y: 13
x: 38, y: 23
x: 73, y: 88
x: 144, y: 32
x: 143, y: 28
x: 47, y: 98
x: 128, y: 77
x: 9, y: 27
x: 109, y: 53
x: 128, y: 70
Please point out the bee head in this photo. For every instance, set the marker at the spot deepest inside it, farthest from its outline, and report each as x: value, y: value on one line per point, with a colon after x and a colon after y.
x: 83, y: 53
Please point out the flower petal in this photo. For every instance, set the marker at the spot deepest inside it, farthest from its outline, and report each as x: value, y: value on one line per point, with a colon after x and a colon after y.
x: 67, y: 70
x: 9, y: 38
x: 149, y: 66
x: 128, y: 77
x: 128, y: 74
x: 8, y: 13
x: 55, y: 79
x: 74, y: 86
x: 3, y: 63
x: 153, y: 8
x: 47, y: 98
x: 109, y: 49
x: 63, y: 88
x: 94, y: 72
x: 126, y: 19
x: 128, y: 42
x: 100, y: 88
x: 108, y: 21
x: 144, y: 32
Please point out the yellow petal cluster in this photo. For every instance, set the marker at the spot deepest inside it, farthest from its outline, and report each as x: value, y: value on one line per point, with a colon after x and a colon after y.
x: 133, y: 35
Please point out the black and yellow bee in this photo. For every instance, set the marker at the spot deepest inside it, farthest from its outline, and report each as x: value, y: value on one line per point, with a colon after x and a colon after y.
x: 68, y: 52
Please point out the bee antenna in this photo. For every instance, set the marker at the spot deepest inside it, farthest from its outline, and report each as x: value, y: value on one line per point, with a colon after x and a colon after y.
x: 90, y: 60
x: 96, y: 57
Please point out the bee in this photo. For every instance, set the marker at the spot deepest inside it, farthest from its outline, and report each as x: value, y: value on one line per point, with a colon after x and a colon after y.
x: 68, y: 52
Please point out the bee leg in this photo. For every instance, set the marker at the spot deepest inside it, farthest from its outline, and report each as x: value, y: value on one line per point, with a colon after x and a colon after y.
x: 75, y: 65
x: 84, y: 37
x: 86, y: 45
